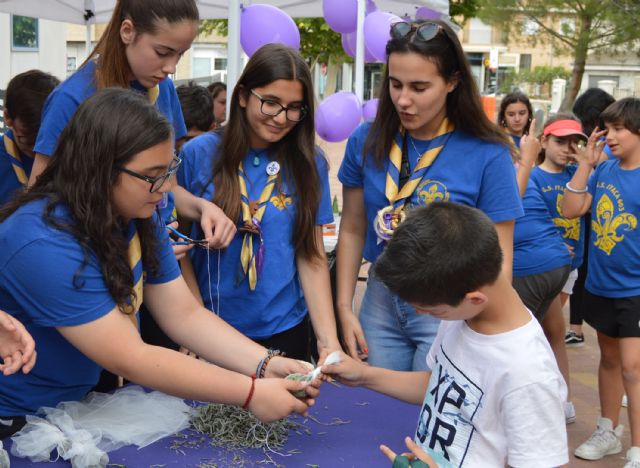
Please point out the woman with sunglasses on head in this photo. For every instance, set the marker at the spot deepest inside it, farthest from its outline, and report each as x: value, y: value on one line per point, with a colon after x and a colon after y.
x: 515, y: 115
x: 139, y: 49
x: 430, y: 141
x: 264, y: 170
x: 77, y: 259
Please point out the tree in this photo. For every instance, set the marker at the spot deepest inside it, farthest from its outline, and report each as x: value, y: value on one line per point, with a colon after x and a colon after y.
x: 318, y: 43
x: 574, y: 27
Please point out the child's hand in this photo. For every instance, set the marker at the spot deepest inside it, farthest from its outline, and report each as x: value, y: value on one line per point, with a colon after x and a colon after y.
x: 529, y: 148
x: 416, y: 458
x: 17, y: 348
x: 348, y: 371
x: 591, y: 154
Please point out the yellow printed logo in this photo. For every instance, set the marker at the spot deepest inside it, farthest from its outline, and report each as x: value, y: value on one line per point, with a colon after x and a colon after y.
x: 281, y: 201
x: 431, y: 191
x: 571, y: 226
x: 607, y: 224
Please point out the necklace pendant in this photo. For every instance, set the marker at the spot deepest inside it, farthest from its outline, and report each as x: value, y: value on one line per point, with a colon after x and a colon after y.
x: 256, y: 161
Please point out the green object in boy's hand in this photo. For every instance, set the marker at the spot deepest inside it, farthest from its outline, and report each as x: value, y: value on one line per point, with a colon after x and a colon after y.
x: 302, y: 378
x: 402, y: 461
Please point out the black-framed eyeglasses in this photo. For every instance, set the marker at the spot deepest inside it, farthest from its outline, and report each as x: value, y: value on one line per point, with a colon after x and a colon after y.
x: 293, y: 113
x: 157, y: 182
x: 424, y: 31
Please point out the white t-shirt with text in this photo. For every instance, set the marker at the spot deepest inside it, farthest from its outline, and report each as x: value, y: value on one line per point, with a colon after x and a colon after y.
x: 493, y: 400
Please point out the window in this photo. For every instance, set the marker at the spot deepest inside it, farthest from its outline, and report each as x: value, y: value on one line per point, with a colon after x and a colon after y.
x: 201, y: 66
x: 525, y: 62
x: 71, y: 64
x: 530, y: 27
x: 24, y: 33
x: 219, y: 63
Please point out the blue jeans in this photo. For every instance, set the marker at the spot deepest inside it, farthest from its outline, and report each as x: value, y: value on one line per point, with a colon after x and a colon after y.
x: 398, y: 337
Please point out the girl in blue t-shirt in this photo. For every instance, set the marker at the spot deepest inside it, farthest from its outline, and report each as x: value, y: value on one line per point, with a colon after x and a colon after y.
x: 139, y: 49
x: 515, y: 115
x: 80, y: 250
x: 613, y: 280
x: 430, y: 141
x: 263, y: 169
x: 543, y: 247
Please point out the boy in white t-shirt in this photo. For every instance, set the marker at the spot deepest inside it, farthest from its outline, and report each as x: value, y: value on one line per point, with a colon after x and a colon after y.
x: 494, y: 395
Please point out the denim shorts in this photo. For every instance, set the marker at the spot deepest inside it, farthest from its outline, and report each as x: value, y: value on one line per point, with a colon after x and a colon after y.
x: 397, y: 336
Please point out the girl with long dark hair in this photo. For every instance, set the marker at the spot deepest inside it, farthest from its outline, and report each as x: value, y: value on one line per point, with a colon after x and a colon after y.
x: 430, y: 141
x: 83, y: 247
x: 263, y: 169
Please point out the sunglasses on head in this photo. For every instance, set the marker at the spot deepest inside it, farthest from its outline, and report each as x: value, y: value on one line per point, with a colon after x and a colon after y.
x: 424, y: 31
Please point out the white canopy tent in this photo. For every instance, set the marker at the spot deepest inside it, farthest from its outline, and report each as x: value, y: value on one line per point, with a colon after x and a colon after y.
x: 88, y: 12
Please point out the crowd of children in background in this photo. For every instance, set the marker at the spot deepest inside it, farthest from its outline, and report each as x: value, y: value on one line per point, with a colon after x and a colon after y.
x: 542, y: 204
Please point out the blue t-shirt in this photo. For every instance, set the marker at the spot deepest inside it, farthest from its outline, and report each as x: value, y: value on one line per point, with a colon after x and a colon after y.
x: 38, y: 286
x: 277, y: 303
x: 468, y: 171
x: 614, y: 246
x: 537, y: 244
x: 66, y: 98
x: 552, y: 186
x: 516, y: 140
x: 8, y: 180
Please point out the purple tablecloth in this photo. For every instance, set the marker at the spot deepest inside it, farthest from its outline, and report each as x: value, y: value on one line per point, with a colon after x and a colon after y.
x: 374, y: 419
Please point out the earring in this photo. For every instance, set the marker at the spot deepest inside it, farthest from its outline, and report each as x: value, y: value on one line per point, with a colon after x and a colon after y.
x: 503, y: 123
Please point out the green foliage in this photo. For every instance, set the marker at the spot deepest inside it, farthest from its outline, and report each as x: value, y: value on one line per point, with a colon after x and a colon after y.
x: 540, y: 75
x: 25, y: 32
x: 572, y: 27
x: 318, y: 43
x: 464, y: 9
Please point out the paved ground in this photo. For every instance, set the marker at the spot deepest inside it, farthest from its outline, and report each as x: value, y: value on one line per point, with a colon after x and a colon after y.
x: 583, y: 361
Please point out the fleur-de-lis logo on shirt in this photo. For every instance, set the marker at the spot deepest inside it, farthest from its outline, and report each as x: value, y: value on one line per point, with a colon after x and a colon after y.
x: 571, y: 226
x: 281, y: 201
x: 607, y: 224
x: 431, y: 191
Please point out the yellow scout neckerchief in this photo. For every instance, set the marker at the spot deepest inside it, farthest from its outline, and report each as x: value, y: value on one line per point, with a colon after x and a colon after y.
x: 16, y: 160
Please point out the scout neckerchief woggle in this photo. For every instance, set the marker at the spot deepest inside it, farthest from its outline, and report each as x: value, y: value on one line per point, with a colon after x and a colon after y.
x: 252, y: 213
x: 16, y: 160
x: 135, y: 249
x: 389, y: 217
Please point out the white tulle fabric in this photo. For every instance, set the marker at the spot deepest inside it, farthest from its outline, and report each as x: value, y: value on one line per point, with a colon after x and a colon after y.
x: 82, y: 432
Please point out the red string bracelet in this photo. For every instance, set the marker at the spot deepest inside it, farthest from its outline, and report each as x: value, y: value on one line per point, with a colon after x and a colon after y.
x: 253, y: 387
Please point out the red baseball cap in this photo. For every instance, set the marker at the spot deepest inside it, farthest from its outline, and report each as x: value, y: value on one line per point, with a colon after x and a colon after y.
x: 562, y: 128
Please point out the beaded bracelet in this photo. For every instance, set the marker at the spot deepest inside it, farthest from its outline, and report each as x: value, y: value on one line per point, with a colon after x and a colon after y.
x: 574, y: 190
x: 262, y: 367
x: 253, y: 387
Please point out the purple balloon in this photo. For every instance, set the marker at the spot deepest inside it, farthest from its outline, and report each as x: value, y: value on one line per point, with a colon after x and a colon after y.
x: 426, y: 13
x: 370, y: 109
x: 349, y: 46
x: 265, y: 24
x: 376, y: 32
x: 341, y: 15
x: 337, y: 116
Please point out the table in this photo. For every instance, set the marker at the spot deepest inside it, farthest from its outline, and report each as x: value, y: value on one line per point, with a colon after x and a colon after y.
x: 374, y: 419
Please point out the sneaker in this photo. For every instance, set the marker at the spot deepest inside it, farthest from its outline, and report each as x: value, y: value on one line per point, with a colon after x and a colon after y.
x: 633, y: 458
x: 604, y: 441
x: 573, y: 339
x: 569, y: 412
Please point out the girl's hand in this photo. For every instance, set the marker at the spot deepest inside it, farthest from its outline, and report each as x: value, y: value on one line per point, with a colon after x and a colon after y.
x: 17, y: 348
x: 218, y: 229
x: 273, y: 399
x: 280, y: 367
x: 592, y: 153
x: 529, y: 147
x: 349, y: 371
x: 179, y: 250
x: 416, y: 454
x: 353, y: 336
